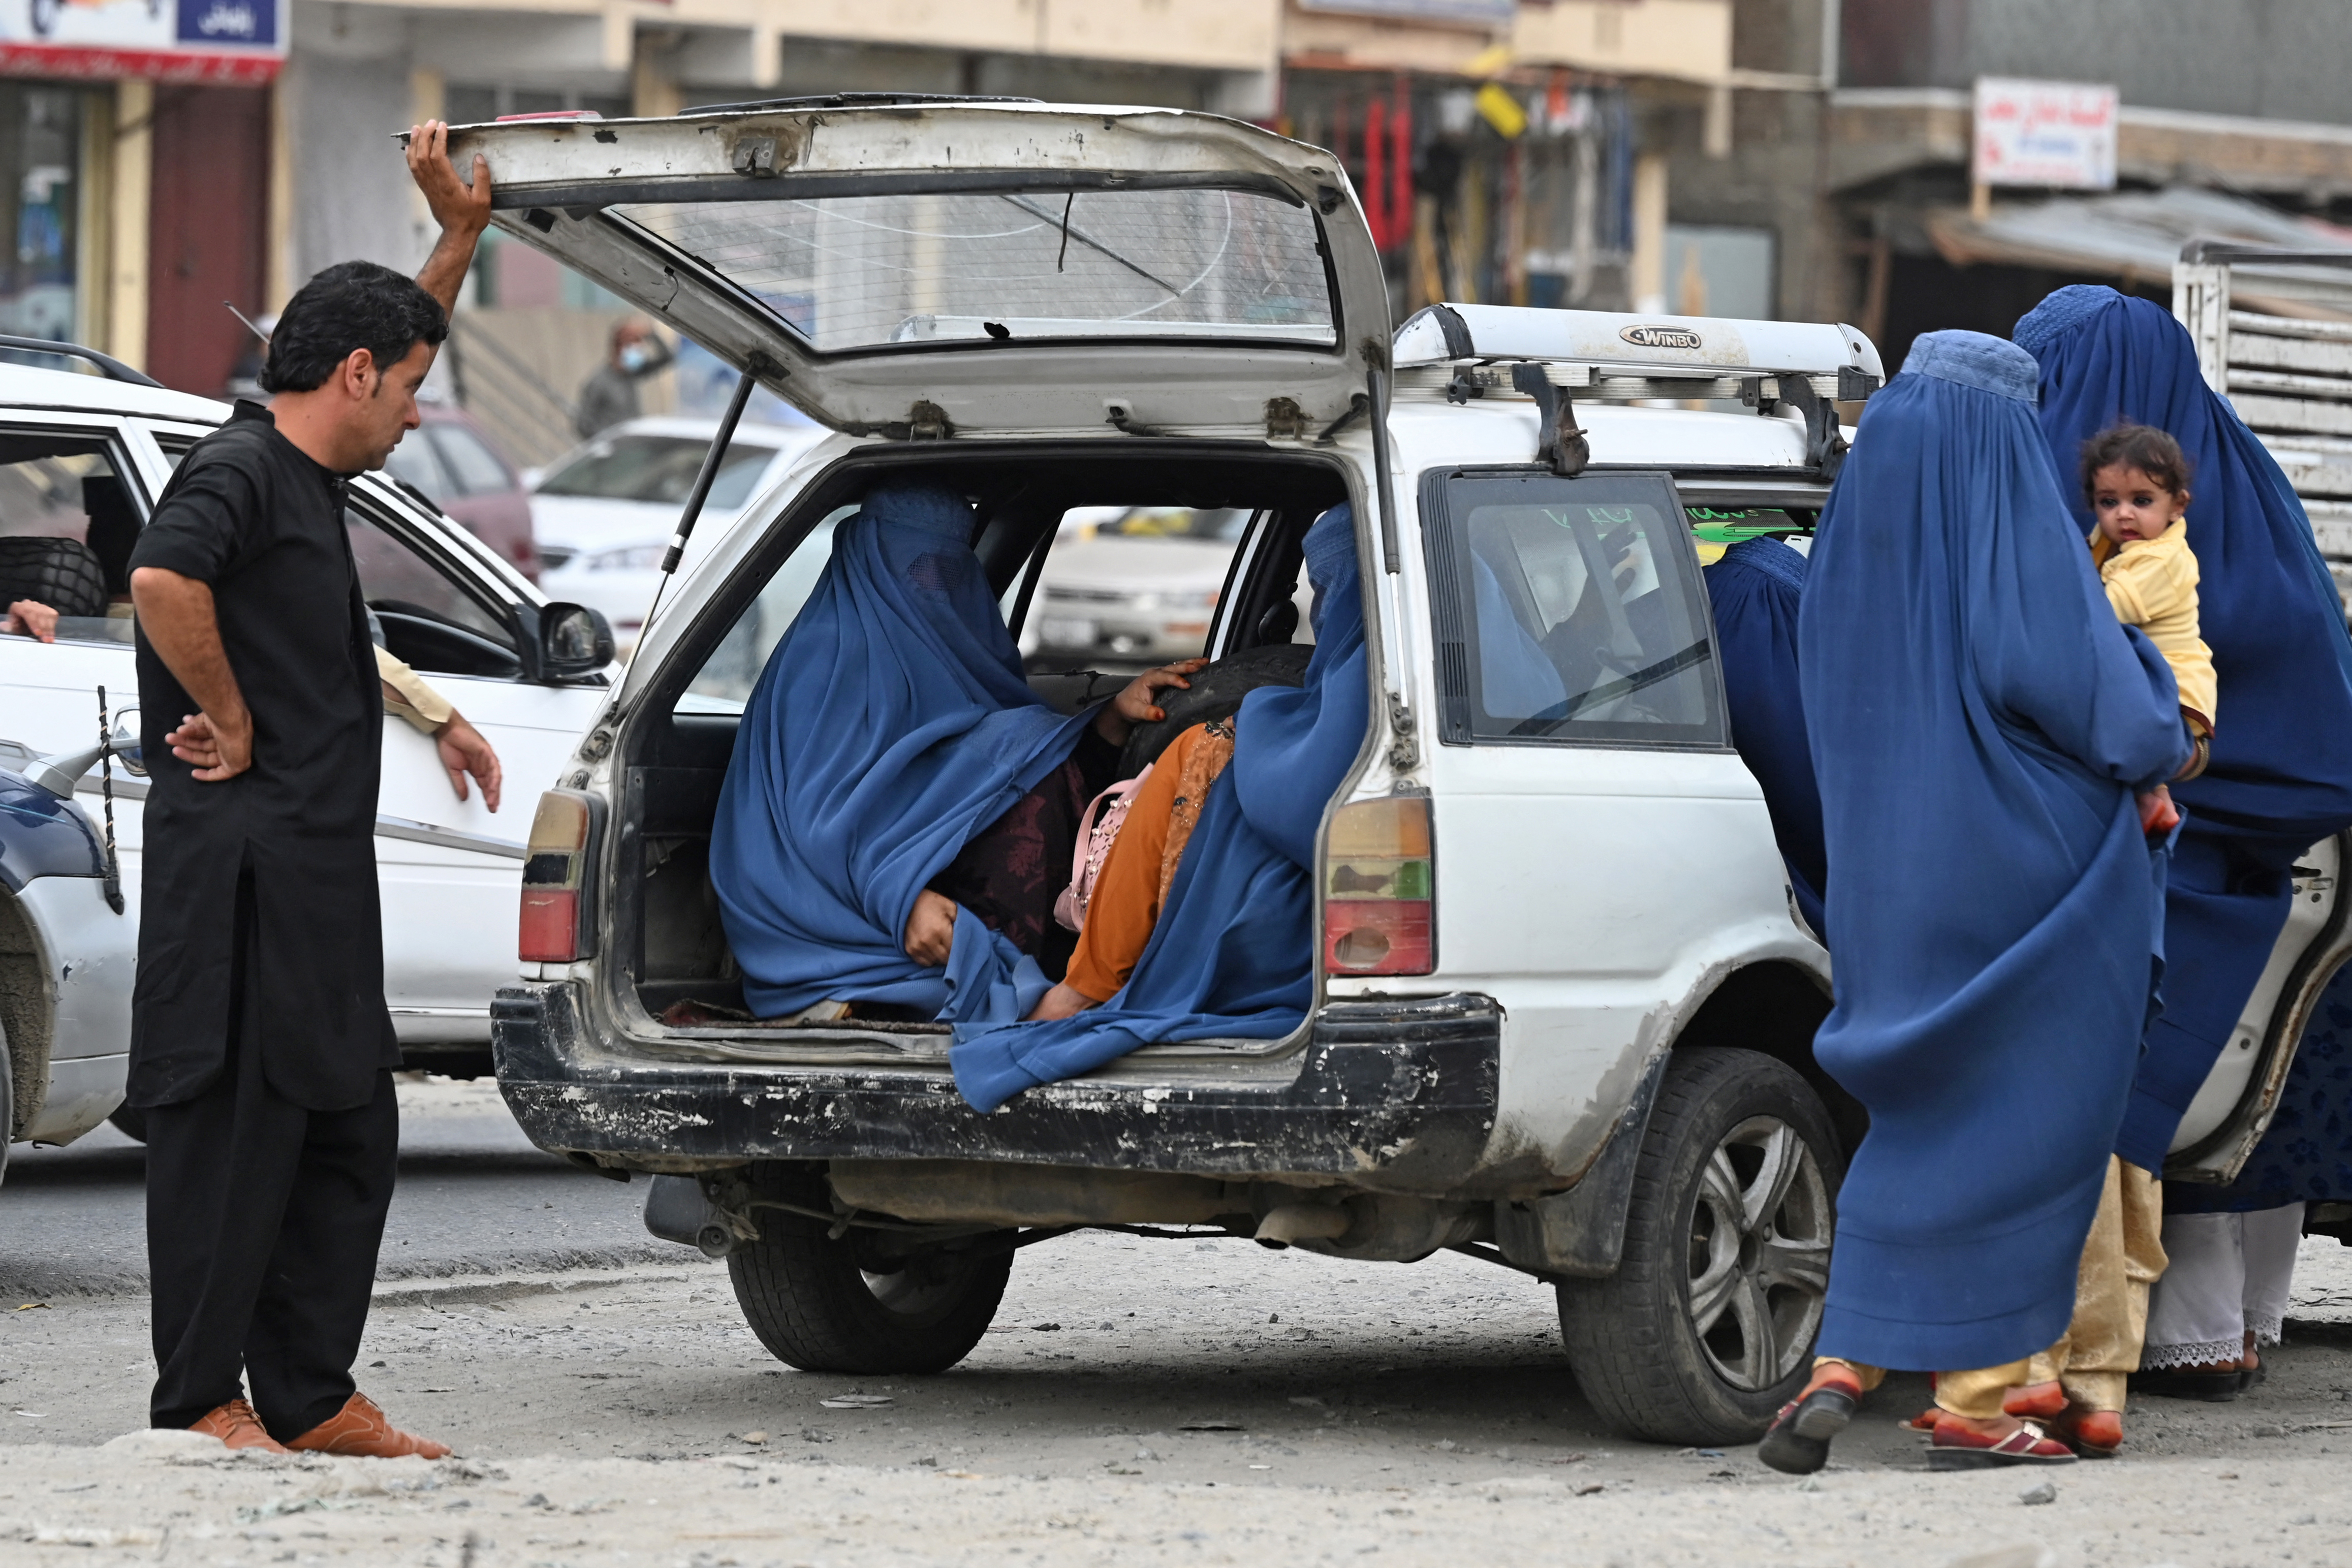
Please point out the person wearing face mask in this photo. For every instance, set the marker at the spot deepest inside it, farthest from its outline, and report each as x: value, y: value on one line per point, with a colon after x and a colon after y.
x: 610, y: 396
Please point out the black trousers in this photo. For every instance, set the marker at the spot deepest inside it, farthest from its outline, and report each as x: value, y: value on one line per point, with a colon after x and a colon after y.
x: 263, y: 1221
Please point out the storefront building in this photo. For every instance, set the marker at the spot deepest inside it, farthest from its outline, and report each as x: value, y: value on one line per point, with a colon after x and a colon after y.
x: 135, y: 169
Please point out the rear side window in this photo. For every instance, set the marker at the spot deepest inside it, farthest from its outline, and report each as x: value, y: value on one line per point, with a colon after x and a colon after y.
x: 1570, y: 611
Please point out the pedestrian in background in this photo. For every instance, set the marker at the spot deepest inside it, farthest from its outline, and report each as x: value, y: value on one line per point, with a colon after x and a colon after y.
x: 1979, y: 722
x: 260, y: 1047
x: 610, y: 396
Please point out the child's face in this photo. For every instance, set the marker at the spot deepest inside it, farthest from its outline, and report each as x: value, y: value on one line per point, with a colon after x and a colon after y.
x: 2131, y: 505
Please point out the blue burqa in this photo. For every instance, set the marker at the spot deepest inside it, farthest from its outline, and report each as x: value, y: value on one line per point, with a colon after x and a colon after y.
x: 892, y: 725
x: 2281, y: 774
x: 1754, y: 592
x: 1233, y: 955
x: 1978, y: 719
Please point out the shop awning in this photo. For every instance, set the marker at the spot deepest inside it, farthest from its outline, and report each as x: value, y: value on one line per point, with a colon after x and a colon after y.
x: 2134, y: 236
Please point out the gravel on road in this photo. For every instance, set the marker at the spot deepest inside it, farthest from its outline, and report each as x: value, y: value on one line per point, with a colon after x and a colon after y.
x: 1139, y: 1401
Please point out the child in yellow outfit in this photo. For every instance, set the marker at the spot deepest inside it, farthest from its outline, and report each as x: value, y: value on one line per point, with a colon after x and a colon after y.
x: 2137, y: 479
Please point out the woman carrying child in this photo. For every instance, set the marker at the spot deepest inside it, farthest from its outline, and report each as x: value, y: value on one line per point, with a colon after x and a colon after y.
x: 1979, y: 723
x: 2277, y: 778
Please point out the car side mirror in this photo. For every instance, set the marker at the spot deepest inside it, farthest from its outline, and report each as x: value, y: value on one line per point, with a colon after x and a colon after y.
x: 125, y: 741
x: 573, y: 640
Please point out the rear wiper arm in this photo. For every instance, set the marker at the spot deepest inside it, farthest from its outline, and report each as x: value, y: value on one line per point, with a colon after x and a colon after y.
x: 1550, y: 720
x: 1061, y: 222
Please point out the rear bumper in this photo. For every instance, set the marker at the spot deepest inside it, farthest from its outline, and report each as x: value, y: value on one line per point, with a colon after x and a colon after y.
x: 1394, y: 1096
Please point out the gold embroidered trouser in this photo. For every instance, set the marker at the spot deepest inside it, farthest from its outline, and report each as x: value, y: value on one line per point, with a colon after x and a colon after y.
x: 2123, y: 1255
x: 1976, y: 1394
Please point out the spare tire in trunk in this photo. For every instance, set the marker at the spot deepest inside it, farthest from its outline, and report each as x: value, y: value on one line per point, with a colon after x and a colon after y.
x: 1216, y: 692
x: 63, y: 573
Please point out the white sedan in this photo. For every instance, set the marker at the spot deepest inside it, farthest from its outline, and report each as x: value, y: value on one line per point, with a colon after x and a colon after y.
x: 82, y: 460
x: 603, y: 512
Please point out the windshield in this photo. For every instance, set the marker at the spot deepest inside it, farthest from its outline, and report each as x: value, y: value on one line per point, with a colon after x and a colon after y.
x: 851, y: 272
x: 658, y: 469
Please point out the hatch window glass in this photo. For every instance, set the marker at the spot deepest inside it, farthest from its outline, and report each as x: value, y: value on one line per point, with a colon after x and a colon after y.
x: 862, y: 272
x: 1575, y: 613
x: 650, y: 467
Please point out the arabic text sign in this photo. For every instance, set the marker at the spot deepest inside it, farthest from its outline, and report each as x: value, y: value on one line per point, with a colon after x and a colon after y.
x: 2058, y: 134
x: 185, y: 40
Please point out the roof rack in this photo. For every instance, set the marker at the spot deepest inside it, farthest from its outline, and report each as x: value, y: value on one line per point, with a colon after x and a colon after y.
x: 1461, y: 352
x: 107, y: 365
x: 850, y: 101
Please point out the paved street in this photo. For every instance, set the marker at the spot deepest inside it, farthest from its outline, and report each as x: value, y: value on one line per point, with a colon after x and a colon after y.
x: 474, y: 1197
x: 1335, y: 1409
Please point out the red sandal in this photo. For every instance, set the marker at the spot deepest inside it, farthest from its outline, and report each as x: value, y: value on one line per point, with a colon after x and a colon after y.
x: 1958, y: 1448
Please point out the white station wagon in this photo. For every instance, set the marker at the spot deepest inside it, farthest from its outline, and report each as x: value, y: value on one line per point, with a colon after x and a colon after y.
x: 1565, y: 1007
x: 83, y: 457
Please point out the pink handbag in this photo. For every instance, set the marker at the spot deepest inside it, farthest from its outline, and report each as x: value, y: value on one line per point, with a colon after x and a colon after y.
x: 1096, y: 833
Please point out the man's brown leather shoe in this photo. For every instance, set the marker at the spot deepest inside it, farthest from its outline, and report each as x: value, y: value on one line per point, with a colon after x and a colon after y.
x: 360, y: 1429
x: 236, y: 1426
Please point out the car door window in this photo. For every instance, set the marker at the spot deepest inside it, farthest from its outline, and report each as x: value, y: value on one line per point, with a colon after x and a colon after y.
x: 1571, y: 610
x: 426, y: 615
x: 724, y: 683
x: 68, y: 518
x: 473, y: 466
x: 1128, y: 587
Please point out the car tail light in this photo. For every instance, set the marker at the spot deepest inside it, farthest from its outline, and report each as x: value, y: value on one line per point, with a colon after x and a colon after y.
x: 1379, y: 889
x: 557, y: 911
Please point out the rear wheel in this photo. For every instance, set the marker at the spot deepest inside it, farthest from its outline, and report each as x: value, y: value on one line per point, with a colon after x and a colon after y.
x: 847, y: 1305
x: 1708, y: 1327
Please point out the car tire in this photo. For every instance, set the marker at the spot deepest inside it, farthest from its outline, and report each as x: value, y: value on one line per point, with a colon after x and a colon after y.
x: 7, y: 1102
x: 1216, y: 692
x: 131, y: 1122
x: 1708, y: 1327
x: 819, y: 1303
x: 63, y: 573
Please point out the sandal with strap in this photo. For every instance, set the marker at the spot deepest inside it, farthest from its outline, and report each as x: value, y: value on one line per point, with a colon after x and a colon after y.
x: 1798, y: 1441
x: 1958, y: 1448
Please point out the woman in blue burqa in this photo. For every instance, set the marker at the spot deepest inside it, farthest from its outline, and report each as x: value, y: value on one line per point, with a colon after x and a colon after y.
x: 2279, y: 779
x: 1978, y: 721
x: 1754, y: 592
x: 900, y: 808
x: 1232, y: 955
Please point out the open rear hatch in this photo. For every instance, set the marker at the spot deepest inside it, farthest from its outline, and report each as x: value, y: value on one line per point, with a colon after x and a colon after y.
x: 930, y: 269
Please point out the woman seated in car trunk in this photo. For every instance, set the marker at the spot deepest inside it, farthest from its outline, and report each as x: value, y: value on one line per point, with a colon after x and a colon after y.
x: 900, y: 807
x: 1215, y: 939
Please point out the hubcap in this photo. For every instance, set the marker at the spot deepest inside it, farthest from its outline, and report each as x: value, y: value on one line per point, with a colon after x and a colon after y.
x: 1760, y: 1253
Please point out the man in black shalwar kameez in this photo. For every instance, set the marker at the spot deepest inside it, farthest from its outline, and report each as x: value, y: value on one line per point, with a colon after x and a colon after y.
x: 260, y: 1047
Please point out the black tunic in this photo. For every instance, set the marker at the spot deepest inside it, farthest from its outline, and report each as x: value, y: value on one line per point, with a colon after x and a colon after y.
x: 251, y: 515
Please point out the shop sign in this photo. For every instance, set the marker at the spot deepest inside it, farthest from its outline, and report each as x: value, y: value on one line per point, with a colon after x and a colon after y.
x: 168, y: 40
x: 1477, y: 12
x: 2052, y: 133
